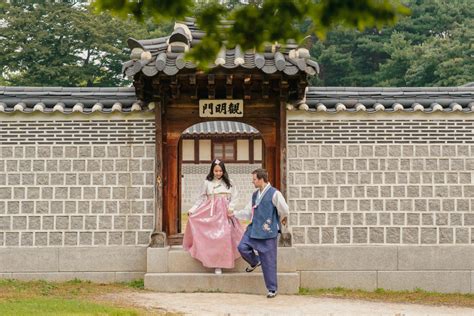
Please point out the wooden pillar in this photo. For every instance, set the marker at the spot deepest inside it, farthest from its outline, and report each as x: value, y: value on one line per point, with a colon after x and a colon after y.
x: 251, y: 151
x: 196, y: 150
x: 158, y: 237
x: 171, y: 186
x: 281, y: 147
x: 270, y: 159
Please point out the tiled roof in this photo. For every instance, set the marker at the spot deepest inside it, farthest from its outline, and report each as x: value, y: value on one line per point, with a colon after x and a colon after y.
x: 166, y: 55
x: 317, y: 99
x: 220, y: 127
x: 69, y: 100
x: 376, y: 99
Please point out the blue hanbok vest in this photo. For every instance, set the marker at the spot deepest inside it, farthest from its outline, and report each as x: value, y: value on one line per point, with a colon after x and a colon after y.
x: 265, y: 221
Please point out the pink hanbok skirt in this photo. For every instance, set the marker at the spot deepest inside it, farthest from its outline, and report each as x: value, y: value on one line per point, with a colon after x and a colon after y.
x: 211, y: 236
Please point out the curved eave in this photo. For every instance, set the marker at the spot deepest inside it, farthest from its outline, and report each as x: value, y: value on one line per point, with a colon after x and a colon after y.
x: 378, y: 107
x: 149, y: 68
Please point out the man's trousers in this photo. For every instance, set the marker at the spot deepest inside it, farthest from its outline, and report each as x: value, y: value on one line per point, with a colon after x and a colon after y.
x: 267, y: 255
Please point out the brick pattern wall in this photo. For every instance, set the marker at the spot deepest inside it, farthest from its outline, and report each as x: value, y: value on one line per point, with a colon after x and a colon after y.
x: 381, y: 182
x: 380, y: 132
x: 194, y: 175
x: 76, y: 183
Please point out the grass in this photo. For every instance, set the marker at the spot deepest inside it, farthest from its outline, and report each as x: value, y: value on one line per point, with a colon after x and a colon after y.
x: 56, y: 306
x: 136, y: 284
x: 207, y: 291
x: 417, y: 296
x: 75, y: 297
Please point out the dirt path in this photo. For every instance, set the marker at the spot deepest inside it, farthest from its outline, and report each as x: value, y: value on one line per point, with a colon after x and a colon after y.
x: 243, y: 304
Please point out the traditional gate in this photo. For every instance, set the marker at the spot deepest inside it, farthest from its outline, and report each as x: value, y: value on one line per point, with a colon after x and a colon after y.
x: 248, y: 87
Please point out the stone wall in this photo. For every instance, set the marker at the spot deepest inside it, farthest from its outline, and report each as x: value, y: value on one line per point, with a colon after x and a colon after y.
x: 76, y: 182
x: 361, y: 180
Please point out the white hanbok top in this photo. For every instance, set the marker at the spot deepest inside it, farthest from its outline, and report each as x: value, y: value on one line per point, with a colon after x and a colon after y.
x: 210, y: 189
x: 277, y: 199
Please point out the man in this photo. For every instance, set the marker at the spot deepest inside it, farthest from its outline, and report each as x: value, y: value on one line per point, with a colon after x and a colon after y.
x: 267, y: 208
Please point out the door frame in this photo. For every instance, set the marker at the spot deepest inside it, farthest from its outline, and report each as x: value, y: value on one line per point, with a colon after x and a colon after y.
x: 267, y: 117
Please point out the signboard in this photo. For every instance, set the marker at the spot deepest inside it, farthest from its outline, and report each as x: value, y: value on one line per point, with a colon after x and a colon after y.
x: 221, y: 108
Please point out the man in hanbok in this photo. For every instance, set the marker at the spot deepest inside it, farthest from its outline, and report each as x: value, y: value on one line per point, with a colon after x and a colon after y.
x: 267, y: 212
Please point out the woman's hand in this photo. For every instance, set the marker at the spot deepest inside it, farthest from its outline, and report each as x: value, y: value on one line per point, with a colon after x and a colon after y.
x: 230, y: 213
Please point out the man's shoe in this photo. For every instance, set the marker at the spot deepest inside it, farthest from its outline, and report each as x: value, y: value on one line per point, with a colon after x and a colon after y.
x: 271, y: 294
x: 218, y: 271
x: 251, y: 268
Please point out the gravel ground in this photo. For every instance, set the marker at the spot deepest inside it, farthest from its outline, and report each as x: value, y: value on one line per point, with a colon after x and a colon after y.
x: 244, y: 304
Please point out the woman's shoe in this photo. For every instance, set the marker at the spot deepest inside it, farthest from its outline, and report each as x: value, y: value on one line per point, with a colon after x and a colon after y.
x: 218, y: 271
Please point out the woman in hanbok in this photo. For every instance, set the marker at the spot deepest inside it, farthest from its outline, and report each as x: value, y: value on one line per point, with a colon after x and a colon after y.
x: 212, y: 234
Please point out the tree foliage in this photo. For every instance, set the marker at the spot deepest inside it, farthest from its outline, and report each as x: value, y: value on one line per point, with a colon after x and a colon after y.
x: 432, y: 47
x: 259, y: 21
x: 63, y: 44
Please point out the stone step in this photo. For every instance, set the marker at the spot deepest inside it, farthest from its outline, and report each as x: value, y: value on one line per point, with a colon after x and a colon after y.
x: 176, y: 260
x: 251, y: 283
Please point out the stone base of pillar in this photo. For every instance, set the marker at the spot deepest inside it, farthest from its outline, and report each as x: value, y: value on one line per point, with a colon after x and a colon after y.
x: 285, y: 240
x: 157, y: 240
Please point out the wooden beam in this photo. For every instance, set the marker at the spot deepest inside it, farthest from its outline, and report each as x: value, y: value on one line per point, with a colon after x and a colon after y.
x: 284, y: 88
x: 179, y: 184
x: 158, y: 237
x: 175, y: 88
x: 185, y: 117
x: 171, y: 186
x: 281, y: 148
x: 247, y: 87
x: 269, y: 164
x: 266, y: 88
x: 165, y: 173
x: 196, y: 150
x: 211, y: 88
x: 229, y: 87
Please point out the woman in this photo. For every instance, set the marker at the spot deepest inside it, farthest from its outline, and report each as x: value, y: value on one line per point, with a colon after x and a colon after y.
x: 212, y: 235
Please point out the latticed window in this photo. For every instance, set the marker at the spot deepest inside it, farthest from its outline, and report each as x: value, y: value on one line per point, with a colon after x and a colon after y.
x: 224, y: 151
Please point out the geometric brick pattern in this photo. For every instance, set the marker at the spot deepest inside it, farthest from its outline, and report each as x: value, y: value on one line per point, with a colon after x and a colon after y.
x: 68, y: 132
x: 380, y: 131
x: 345, y: 186
x: 77, y: 183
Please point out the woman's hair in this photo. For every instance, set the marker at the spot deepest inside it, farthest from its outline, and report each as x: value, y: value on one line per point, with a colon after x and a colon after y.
x: 225, y: 176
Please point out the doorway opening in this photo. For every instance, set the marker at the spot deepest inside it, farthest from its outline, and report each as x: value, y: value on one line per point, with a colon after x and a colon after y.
x: 239, y: 145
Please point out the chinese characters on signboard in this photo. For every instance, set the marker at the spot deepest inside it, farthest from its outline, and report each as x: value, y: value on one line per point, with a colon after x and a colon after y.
x: 221, y: 108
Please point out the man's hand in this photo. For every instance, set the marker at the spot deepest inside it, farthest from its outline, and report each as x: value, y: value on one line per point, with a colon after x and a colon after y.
x: 284, y: 220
